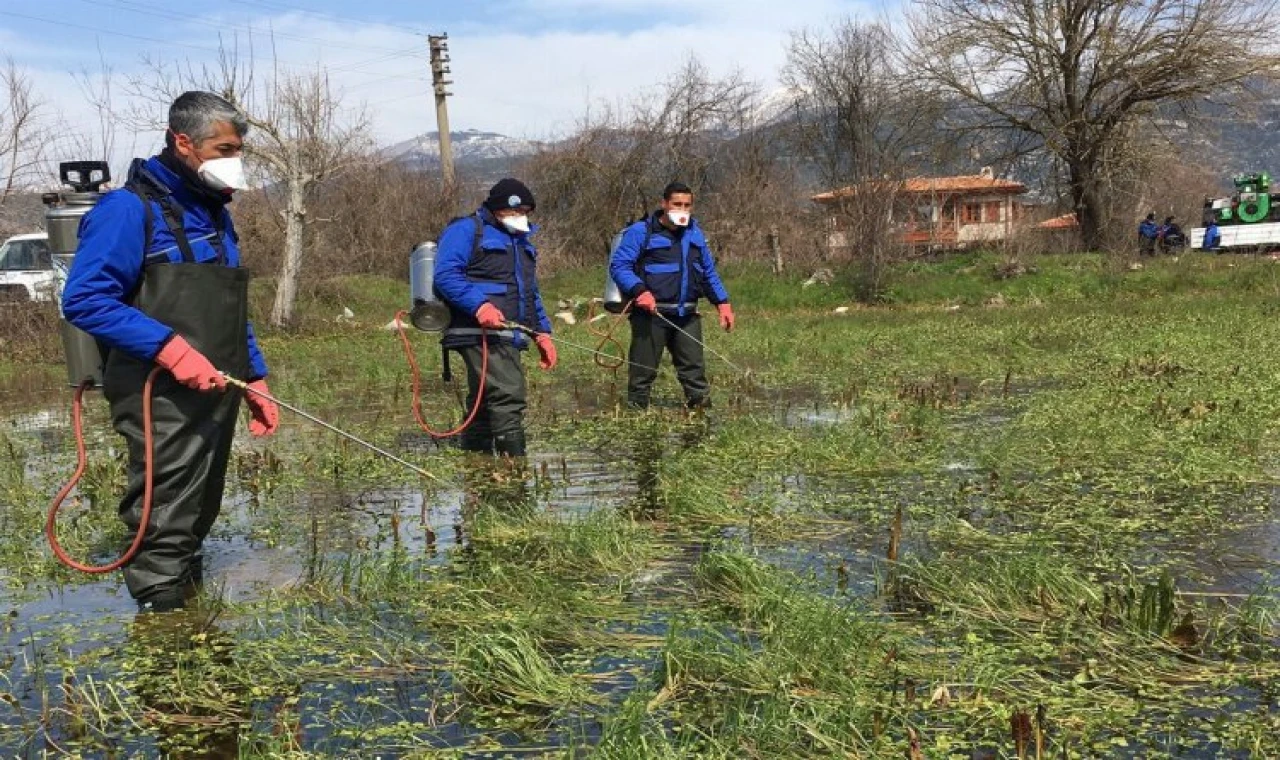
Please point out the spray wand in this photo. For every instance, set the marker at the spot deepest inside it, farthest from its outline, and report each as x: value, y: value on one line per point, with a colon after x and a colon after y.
x: 305, y: 415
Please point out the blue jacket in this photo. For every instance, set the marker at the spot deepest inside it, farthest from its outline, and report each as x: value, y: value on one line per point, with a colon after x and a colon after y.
x: 1212, y: 237
x: 676, y: 267
x: 502, y: 271
x: 1148, y: 229
x: 108, y: 266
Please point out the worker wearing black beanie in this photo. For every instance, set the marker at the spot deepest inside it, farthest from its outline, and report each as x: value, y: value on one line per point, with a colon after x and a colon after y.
x: 486, y: 272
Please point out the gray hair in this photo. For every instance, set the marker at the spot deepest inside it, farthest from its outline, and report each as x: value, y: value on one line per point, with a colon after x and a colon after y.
x: 195, y: 113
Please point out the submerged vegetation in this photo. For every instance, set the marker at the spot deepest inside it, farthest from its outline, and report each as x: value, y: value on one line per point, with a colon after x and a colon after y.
x: 1029, y: 517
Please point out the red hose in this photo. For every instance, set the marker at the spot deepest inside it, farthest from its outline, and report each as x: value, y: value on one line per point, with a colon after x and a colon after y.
x: 417, y: 398
x: 606, y: 336
x: 50, y: 525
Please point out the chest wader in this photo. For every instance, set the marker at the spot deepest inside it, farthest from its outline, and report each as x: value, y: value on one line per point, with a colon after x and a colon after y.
x: 206, y: 303
x: 650, y: 336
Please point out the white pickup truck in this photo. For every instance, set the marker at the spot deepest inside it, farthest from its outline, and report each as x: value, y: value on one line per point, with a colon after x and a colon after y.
x: 27, y: 270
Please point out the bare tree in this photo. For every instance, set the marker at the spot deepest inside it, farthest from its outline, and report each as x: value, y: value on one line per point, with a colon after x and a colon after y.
x: 858, y: 111
x: 1080, y: 74
x: 302, y: 138
x: 614, y: 167
x: 23, y: 138
x: 863, y: 118
x: 95, y: 138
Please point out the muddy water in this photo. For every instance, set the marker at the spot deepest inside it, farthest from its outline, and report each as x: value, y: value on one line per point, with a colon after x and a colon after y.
x: 262, y: 545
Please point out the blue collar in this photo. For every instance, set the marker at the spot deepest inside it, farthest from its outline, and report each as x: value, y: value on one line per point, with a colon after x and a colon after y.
x: 176, y: 185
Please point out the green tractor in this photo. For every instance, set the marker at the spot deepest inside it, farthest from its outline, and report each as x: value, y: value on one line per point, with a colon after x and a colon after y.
x: 1252, y: 201
x: 1248, y: 220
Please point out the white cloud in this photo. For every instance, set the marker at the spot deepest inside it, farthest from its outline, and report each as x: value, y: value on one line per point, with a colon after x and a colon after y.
x: 524, y: 84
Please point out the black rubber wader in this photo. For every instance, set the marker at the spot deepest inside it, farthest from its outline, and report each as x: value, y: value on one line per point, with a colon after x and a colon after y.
x: 499, y: 425
x: 208, y: 305
x: 650, y: 335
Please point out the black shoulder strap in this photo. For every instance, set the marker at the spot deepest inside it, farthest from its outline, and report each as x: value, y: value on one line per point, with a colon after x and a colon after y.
x: 148, y: 221
x: 148, y: 189
x: 475, y: 240
x: 644, y: 246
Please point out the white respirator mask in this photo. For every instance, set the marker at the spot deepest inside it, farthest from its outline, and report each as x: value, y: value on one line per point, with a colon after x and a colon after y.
x: 678, y: 218
x: 516, y: 224
x: 224, y: 173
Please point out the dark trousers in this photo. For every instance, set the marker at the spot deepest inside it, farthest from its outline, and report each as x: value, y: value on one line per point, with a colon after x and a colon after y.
x: 499, y: 424
x: 650, y: 335
x: 192, y: 433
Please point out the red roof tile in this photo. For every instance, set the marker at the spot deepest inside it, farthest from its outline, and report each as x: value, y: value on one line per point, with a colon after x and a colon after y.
x: 1064, y: 222
x: 967, y: 184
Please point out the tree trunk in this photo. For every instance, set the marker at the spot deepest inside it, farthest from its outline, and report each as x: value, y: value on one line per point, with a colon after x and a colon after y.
x: 775, y: 246
x: 295, y: 225
x: 1087, y: 202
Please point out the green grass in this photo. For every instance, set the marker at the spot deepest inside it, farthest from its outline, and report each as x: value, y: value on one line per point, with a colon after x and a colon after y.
x: 1078, y: 476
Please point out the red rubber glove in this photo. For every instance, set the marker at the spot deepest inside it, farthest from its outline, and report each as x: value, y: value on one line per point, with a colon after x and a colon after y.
x: 264, y: 415
x: 188, y: 366
x: 726, y: 316
x: 490, y: 317
x: 647, y: 302
x: 547, y: 350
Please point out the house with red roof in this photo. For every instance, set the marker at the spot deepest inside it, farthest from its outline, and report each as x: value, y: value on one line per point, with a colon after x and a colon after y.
x: 935, y: 212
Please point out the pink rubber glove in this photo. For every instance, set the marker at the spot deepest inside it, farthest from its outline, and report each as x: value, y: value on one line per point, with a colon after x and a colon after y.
x: 726, y: 316
x: 264, y: 415
x: 547, y: 350
x: 490, y: 317
x: 647, y: 302
x: 188, y: 366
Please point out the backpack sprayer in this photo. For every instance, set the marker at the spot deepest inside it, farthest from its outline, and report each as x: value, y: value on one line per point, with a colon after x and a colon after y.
x: 429, y: 314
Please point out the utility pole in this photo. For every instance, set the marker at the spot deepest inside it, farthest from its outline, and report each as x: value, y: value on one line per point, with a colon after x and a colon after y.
x: 439, y: 44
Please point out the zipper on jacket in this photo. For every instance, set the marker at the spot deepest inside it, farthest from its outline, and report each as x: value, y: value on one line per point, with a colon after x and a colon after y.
x: 517, y: 251
x: 684, y: 268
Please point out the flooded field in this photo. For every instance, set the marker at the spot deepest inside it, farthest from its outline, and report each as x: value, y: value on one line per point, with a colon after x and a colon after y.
x: 923, y: 533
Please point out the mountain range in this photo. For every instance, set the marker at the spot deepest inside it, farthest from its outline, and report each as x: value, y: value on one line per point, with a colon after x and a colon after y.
x: 1221, y: 139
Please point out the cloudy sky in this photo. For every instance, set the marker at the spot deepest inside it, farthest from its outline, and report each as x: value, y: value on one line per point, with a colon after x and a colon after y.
x: 525, y: 68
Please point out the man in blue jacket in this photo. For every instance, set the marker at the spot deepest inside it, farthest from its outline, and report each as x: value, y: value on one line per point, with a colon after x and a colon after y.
x: 1212, y: 236
x: 486, y: 271
x: 157, y: 280
x: 1148, y: 231
x: 664, y: 265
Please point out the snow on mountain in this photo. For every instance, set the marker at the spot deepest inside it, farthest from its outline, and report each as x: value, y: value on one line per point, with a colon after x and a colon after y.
x: 776, y: 105
x: 469, y: 146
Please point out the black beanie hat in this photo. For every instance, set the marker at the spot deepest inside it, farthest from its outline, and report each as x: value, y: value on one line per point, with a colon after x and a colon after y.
x: 509, y: 193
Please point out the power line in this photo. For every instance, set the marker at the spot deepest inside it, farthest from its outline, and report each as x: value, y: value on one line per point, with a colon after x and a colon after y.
x: 69, y: 25
x: 151, y: 10
x: 285, y: 8
x: 352, y: 67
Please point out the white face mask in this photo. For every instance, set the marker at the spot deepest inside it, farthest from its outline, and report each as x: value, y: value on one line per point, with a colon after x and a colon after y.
x: 678, y: 218
x: 516, y: 224
x: 224, y: 173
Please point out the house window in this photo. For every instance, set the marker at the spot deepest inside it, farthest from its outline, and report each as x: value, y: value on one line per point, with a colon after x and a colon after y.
x: 991, y: 213
x: 971, y: 213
